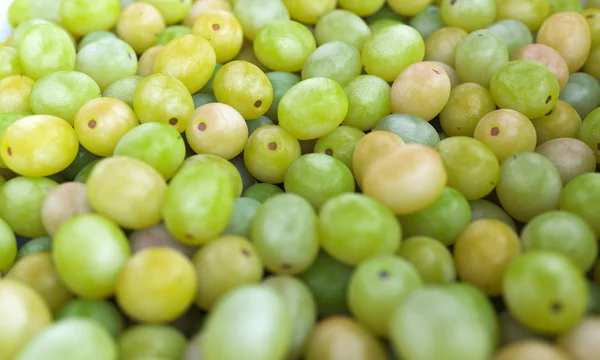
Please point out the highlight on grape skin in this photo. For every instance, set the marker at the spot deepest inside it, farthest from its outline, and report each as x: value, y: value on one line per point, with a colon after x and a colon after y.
x: 299, y: 179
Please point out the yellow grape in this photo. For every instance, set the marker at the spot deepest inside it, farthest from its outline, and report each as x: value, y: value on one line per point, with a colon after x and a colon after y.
x: 223, y: 31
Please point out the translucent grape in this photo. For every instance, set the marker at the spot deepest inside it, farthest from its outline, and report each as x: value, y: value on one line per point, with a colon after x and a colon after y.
x: 309, y: 11
x: 515, y: 34
x: 139, y: 25
x: 441, y: 45
x: 427, y: 21
x: 62, y: 203
x: 149, y: 341
x: 262, y: 191
x: 432, y: 260
x: 107, y: 61
x: 562, y: 121
x: 147, y: 60
x: 103, y: 312
x: 255, y: 14
x: 123, y: 89
x: 173, y: 11
x: 571, y: 157
x: 336, y: 60
x: 83, y: 17
x: 8, y: 244
x: 467, y: 104
x: 340, y: 143
x: 579, y: 196
x: 582, y: 93
x: 14, y: 94
x: 479, y: 56
x: 530, y: 12
x: 223, y: 31
x: 343, y: 25
x: 469, y: 15
x: 243, y: 212
x: 411, y: 128
x: 23, y: 27
x: 44, y: 49
x: 548, y: 57
x: 10, y: 63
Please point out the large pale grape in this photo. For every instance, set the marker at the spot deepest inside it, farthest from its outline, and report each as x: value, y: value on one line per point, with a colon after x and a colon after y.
x: 581, y: 196
x: 139, y: 24
x: 569, y: 34
x: 342, y: 25
x: 548, y: 57
x: 469, y: 15
x: 369, y: 148
x: 44, y: 49
x: 107, y: 61
x: 336, y: 60
x: 530, y: 12
x: 83, y: 17
x: 571, y: 157
x: 255, y: 14
x: 515, y: 34
x: 563, y: 122
x: 368, y: 101
x: 442, y: 44
x: 479, y: 56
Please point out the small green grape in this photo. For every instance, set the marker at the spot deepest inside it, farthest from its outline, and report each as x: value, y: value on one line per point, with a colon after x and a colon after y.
x: 95, y: 36
x: 103, y: 312
x: 172, y: 32
x: 467, y: 104
x: 469, y: 15
x: 369, y: 100
x: 83, y: 17
x: 44, y: 49
x: 484, y: 209
x: 23, y: 27
x: 309, y: 11
x: 342, y: 25
x: 340, y: 143
x: 335, y: 60
x: 8, y: 244
x: 281, y: 83
x: 428, y: 21
x: 255, y: 14
x: 141, y: 341
x: 579, y: 196
x: 230, y: 169
x: 514, y: 33
x: 107, y: 61
x: 18, y: 12
x: 412, y: 129
x: 10, y: 62
x: 173, y: 11
x: 479, y: 56
x: 582, y: 93
x: 432, y: 260
x: 243, y: 212
x: 123, y: 89
x: 262, y: 191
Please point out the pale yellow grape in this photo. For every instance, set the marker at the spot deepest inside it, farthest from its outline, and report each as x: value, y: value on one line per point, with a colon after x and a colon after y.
x: 147, y: 60
x: 407, y: 7
x: 83, y: 17
x: 223, y: 31
x: 309, y: 11
x: 139, y: 24
x: 14, y: 94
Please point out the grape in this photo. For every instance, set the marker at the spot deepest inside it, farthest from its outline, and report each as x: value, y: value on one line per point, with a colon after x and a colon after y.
x: 368, y: 101
x: 243, y: 212
x: 84, y: 173
x: 579, y: 342
x: 163, y: 98
x: 343, y: 25
x: 244, y: 87
x: 223, y: 265
x: 427, y: 21
x: 139, y: 25
x: 247, y: 178
x: 469, y: 15
x: 580, y: 196
x: 55, y: 145
x: 430, y: 258
x: 76, y: 338
x: 548, y: 57
x: 103, y: 312
x: 62, y: 203
x: 8, y: 244
x: 255, y: 14
x: 173, y: 11
x: 468, y: 103
x: 569, y: 34
x: 44, y: 49
x: 557, y: 6
x: 198, y: 203
x: 6, y: 119
x: 340, y: 143
x: 441, y: 45
x: 360, y: 8
x: 258, y: 122
x: 123, y: 89
x: 284, y: 233
x: 309, y: 11
x: 107, y: 61
x: 336, y: 60
x: 545, y: 291
x: 443, y: 220
x: 223, y: 31
x: 95, y: 36
x: 420, y: 82
x: 18, y: 11
x: 38, y: 272
x: 382, y: 24
x: 200, y: 7
x: 83, y: 17
x: 571, y: 157
x: 281, y: 82
x: 158, y: 236
x: 202, y: 99
x: 479, y: 56
x: 506, y: 132
x: 234, y: 318
x: 247, y: 53
x: 472, y: 167
x: 14, y: 94
x: 234, y: 175
x: 328, y: 280
x: 284, y: 45
x: 588, y: 132
x: 440, y: 316
x: 530, y: 12
x: 172, y: 32
x: 561, y: 122
x: 261, y: 192
x: 384, y: 13
x: 148, y: 59
x: 582, y: 92
x: 411, y: 128
x: 391, y: 50
x: 332, y: 336
x: 23, y: 27
x: 10, y: 63
x: 482, y: 253
x: 515, y: 34
x: 151, y: 342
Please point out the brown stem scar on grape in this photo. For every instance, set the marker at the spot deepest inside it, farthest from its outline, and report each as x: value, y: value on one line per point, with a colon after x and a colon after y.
x: 556, y: 307
x: 257, y: 104
x: 246, y: 252
x: 9, y: 151
x: 435, y: 71
x: 216, y: 27
x: 548, y: 98
x: 598, y: 146
x: 589, y: 16
x: 201, y: 126
x: 452, y: 2
x: 549, y: 113
x: 173, y: 121
x: 188, y: 236
x: 383, y: 274
x: 286, y: 266
x: 494, y: 131
x: 92, y: 124
x: 328, y: 152
x: 272, y: 145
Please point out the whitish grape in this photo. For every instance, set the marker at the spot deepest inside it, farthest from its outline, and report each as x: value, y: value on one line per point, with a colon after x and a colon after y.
x: 83, y: 17
x: 107, y: 61
x: 44, y: 49
x: 343, y: 25
x: 336, y: 60
x: 569, y: 34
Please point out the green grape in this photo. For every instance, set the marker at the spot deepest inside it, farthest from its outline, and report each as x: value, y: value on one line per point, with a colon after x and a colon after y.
x: 202, y: 99
x: 440, y: 316
x: 217, y: 129
x: 328, y: 280
x: 10, y: 63
x: 309, y: 11
x: 564, y: 233
x: 432, y: 260
x: 342, y: 25
x: 38, y: 245
x: 83, y: 17
x: 545, y: 291
x: 479, y: 56
x: 85, y: 172
x: 579, y: 196
x: 127, y: 190
x: 591, y: 16
x: 163, y: 98
x: 95, y: 36
x: 198, y: 203
x: 469, y: 15
x: 103, y: 312
x: 243, y: 212
x: 209, y: 88
x: 427, y: 21
x: 482, y: 253
x: 284, y: 45
x: 281, y: 82
x: 368, y: 101
x: 244, y: 87
x: 407, y: 93
x: 361, y: 8
x: 107, y: 61
x: 6, y: 119
x: 23, y: 27
x: 532, y: 13
x: 15, y: 92
x: 261, y: 192
x: 18, y: 11
x: 506, y: 132
x: 284, y: 233
x: 591, y: 65
x: 233, y: 173
x: 408, y: 8
x: 62, y: 94
x: 382, y: 24
x: 164, y: 296
x: 571, y: 157
x: 515, y: 34
x: 223, y: 265
x: 223, y: 31
x: 335, y: 60
x: 443, y: 220
x: 519, y: 77
x: 548, y: 57
x: 484, y: 209
x: 139, y: 25
x: 142, y: 341
x: 235, y: 317
x: 412, y: 129
x: 258, y: 122
x: 318, y: 178
x: 391, y: 50
x: 468, y: 103
x: 582, y: 93
x: 38, y: 145
x: 472, y: 167
x: 247, y: 178
x: 589, y: 131
x: 44, y: 49
x: 557, y: 6
x: 123, y: 89
x: 75, y: 338
x: 561, y: 122
x: 340, y: 143
x: 8, y: 246
x: 172, y: 32
x: 156, y: 144
x: 441, y: 45
x: 62, y: 203
x: 353, y: 227
x: 88, y: 236
x: 173, y: 11
x: 312, y: 108
x: 255, y: 14
x: 376, y: 288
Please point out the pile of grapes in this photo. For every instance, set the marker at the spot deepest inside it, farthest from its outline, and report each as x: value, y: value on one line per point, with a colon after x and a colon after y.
x: 300, y: 180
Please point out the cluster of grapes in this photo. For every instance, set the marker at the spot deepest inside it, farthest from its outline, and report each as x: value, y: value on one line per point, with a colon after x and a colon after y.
x: 300, y: 179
